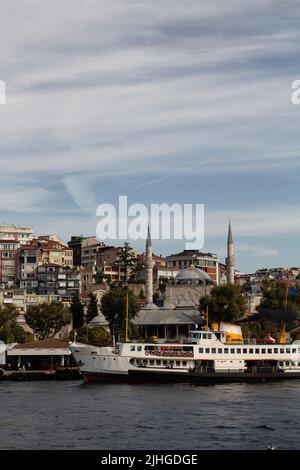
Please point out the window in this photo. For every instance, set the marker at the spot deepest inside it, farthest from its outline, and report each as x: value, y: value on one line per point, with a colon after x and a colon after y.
x: 263, y: 351
x: 209, y: 336
x: 200, y: 350
x: 250, y: 351
x: 151, y: 362
x: 139, y: 348
x: 269, y: 351
x: 245, y: 351
x: 219, y: 350
x: 288, y: 350
x: 204, y: 335
x: 281, y: 350
x: 275, y: 350
x: 226, y: 350
x: 207, y: 350
x: 232, y: 351
x: 184, y: 363
x: 256, y: 351
x: 158, y: 362
x: 239, y: 351
x: 294, y: 350
x: 213, y: 350
x: 177, y: 363
x: 132, y: 348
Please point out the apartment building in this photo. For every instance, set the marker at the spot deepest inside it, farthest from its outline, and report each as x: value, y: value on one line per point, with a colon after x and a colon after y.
x: 8, y: 262
x: 21, y: 234
x: 208, y: 262
x: 53, y: 279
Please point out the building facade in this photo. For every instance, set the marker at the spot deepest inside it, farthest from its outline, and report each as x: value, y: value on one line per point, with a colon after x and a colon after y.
x: 21, y: 234
x: 207, y: 262
x: 58, y: 280
x: 8, y: 262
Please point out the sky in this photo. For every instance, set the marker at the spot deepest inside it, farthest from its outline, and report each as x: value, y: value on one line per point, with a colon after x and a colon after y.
x: 163, y: 101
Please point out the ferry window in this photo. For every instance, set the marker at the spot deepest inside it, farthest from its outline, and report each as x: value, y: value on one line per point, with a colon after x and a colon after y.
x: 232, y: 351
x: 184, y: 363
x: 294, y: 350
x: 239, y: 351
x: 250, y: 351
x: 281, y: 350
x: 220, y: 351
x: 275, y: 350
x: 256, y: 351
x: 209, y: 336
x: 204, y: 335
x: 151, y: 362
x: 263, y: 351
x: 288, y: 350
x: 158, y: 362
x: 269, y: 351
x: 200, y: 350
x: 226, y: 350
x: 139, y: 348
x: 281, y: 363
x: 245, y: 351
x: 177, y: 363
x: 213, y: 350
x: 165, y: 363
x: 207, y: 350
x: 131, y: 361
x: 132, y: 348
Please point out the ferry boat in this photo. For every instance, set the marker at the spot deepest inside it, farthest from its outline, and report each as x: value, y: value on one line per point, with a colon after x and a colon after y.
x: 208, y: 356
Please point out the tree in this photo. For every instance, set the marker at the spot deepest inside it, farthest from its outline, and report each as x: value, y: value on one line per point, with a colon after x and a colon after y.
x: 113, y: 307
x: 47, y: 319
x: 77, y: 312
x: 126, y: 259
x: 92, y: 310
x: 95, y: 335
x: 225, y: 303
x: 10, y: 331
x: 272, y: 309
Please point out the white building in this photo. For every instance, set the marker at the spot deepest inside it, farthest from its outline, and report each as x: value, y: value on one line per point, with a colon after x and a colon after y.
x: 22, y: 234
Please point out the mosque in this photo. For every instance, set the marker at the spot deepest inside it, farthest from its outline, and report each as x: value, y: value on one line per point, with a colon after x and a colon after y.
x: 179, y: 311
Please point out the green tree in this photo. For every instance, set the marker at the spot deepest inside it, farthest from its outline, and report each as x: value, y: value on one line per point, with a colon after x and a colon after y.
x: 113, y: 307
x: 95, y: 335
x: 47, y: 319
x: 10, y: 331
x: 271, y: 310
x: 77, y: 312
x: 127, y: 260
x: 225, y: 303
x: 92, y: 310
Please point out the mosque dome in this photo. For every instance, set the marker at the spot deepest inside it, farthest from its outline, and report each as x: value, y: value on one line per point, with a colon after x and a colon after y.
x: 192, y: 274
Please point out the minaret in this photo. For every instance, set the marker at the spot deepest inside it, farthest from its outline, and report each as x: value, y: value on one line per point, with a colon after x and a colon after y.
x: 149, y: 273
x: 230, y: 260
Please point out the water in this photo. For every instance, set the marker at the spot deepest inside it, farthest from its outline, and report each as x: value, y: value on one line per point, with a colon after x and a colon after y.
x: 72, y: 415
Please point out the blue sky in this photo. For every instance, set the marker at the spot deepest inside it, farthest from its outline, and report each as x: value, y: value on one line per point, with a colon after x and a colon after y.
x: 163, y: 101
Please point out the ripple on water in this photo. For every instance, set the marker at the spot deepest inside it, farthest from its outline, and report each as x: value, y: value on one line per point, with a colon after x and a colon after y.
x: 74, y: 415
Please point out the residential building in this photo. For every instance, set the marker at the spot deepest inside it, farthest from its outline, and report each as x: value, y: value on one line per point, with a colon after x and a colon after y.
x: 89, y: 249
x: 76, y: 245
x: 37, y: 253
x: 58, y: 280
x: 8, y: 262
x: 21, y: 234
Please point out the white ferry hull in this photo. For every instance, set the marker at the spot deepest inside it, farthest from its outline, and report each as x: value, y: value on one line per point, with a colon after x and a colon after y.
x: 106, y: 365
